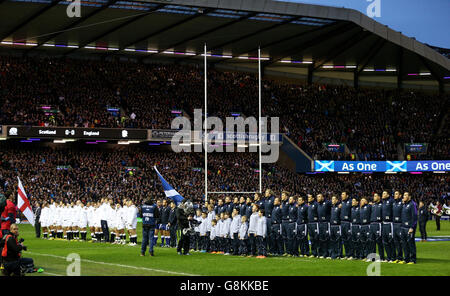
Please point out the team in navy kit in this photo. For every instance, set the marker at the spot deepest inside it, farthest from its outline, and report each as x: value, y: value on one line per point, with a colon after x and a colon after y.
x: 343, y: 227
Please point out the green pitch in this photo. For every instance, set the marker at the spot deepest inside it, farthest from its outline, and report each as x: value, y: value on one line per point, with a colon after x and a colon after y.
x: 433, y: 258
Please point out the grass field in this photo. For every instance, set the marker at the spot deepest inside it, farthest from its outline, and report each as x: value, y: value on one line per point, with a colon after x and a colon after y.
x: 118, y: 260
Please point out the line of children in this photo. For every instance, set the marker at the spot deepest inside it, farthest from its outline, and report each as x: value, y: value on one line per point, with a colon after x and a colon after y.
x: 235, y: 235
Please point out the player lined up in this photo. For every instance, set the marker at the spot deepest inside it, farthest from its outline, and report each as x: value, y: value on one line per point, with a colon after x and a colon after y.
x: 312, y: 227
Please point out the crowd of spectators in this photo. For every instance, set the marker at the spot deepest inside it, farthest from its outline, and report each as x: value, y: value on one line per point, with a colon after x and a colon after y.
x: 372, y: 123
x: 90, y: 173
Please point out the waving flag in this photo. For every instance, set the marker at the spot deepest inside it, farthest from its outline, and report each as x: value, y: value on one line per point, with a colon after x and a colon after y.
x: 168, y: 190
x: 23, y: 203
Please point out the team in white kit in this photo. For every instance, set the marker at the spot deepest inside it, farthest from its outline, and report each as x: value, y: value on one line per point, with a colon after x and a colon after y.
x: 71, y: 221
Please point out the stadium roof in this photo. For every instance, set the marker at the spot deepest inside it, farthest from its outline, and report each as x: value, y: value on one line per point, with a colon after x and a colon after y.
x: 303, y: 39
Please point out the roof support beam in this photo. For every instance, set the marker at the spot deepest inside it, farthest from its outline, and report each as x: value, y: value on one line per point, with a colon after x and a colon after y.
x: 221, y: 45
x: 343, y: 47
x: 29, y: 19
x: 207, y: 32
x: 72, y: 25
x: 338, y: 30
x: 298, y: 35
x: 400, y: 68
x: 131, y: 20
x: 310, y: 74
x: 433, y: 73
x: 377, y: 46
x: 198, y: 14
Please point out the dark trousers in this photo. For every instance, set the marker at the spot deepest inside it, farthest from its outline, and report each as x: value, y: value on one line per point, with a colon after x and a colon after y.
x: 184, y: 243
x: 375, y: 239
x: 194, y: 239
x: 173, y: 235
x: 409, y: 244
x: 277, y: 239
x: 301, y: 240
x: 398, y: 242
x: 346, y: 237
x: 284, y: 237
x: 37, y: 228
x: 243, y: 247
x: 324, y: 239
x: 438, y: 222
x: 252, y: 244
x: 147, y: 238
x: 261, y: 243
x: 335, y: 242
x: 356, y: 243
x: 387, y: 236
x: 207, y: 242
x: 212, y: 245
x: 290, y: 238
x: 235, y: 244
x: 105, y: 229
x: 313, y: 232
x: 423, y: 229
x: 14, y: 267
x: 269, y: 241
x: 364, y: 239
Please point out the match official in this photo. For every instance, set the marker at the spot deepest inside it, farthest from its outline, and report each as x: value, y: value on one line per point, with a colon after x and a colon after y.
x: 149, y: 213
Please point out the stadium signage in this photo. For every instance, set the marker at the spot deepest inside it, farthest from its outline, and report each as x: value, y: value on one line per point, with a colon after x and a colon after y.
x: 76, y: 133
x: 381, y: 166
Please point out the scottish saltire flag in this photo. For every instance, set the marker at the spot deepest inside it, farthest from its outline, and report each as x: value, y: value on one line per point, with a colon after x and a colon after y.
x: 168, y: 190
x: 324, y: 165
x: 396, y: 166
x: 24, y: 204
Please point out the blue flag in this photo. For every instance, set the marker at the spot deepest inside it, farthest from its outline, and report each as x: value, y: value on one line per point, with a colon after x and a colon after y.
x: 168, y: 190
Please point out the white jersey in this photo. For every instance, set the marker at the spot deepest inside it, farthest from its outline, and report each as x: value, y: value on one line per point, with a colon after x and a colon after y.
x: 82, y: 217
x: 132, y: 217
x: 90, y: 215
x: 44, y: 219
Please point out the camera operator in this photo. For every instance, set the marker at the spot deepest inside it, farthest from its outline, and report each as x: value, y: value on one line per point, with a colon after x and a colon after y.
x: 185, y: 214
x: 12, y: 252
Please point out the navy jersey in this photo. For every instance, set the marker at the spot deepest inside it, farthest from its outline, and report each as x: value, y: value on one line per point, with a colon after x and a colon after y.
x: 260, y: 203
x: 292, y: 213
x: 312, y: 212
x: 285, y: 210
x: 150, y: 214
x: 364, y: 213
x: 335, y: 216
x: 229, y: 207
x: 324, y: 211
x: 276, y: 215
x: 355, y: 218
x: 346, y: 210
x: 423, y: 214
x: 248, y: 211
x: 409, y: 214
x: 397, y: 210
x: 268, y: 206
x: 375, y: 214
x: 302, y: 214
x: 386, y: 210
x: 242, y: 208
x: 158, y: 219
x: 172, y: 216
x: 165, y: 212
x: 220, y: 209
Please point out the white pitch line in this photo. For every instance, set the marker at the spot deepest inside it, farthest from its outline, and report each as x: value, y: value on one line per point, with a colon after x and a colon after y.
x: 116, y: 264
x: 55, y: 274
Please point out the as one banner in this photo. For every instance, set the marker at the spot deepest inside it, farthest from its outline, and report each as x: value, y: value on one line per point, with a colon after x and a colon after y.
x: 381, y: 166
x: 23, y: 203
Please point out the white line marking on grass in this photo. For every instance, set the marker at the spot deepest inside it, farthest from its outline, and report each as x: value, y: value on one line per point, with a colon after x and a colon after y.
x: 55, y: 274
x: 118, y: 265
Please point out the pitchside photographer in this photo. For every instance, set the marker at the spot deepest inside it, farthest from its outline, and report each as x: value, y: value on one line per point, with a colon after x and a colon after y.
x: 186, y: 223
x: 11, y: 251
